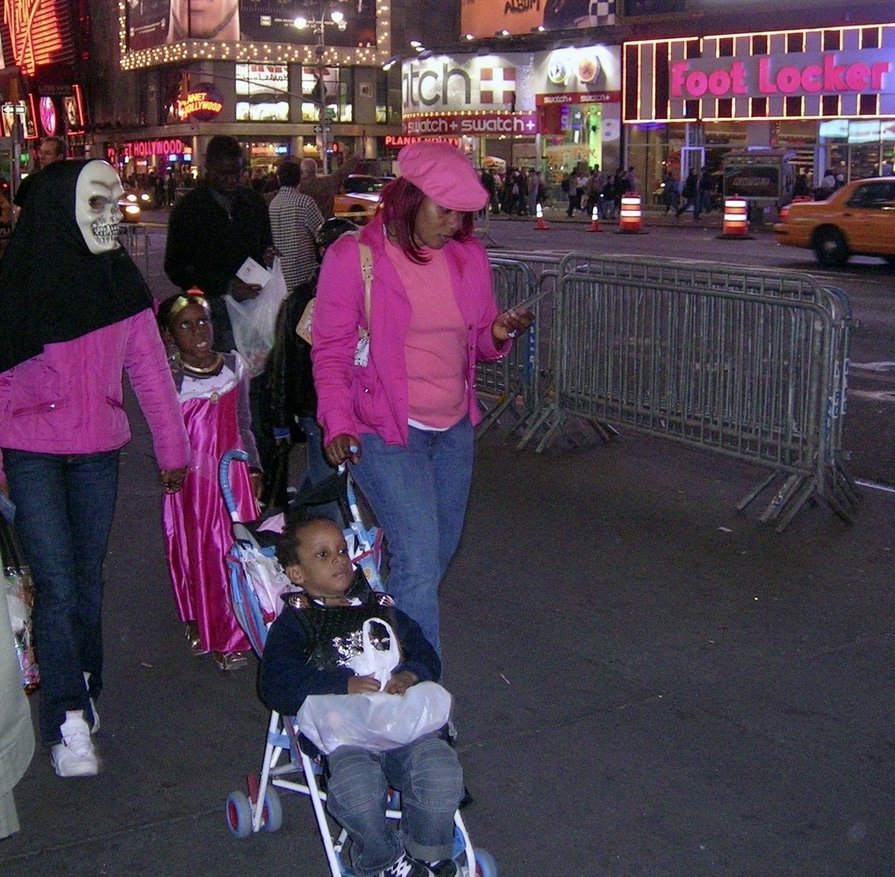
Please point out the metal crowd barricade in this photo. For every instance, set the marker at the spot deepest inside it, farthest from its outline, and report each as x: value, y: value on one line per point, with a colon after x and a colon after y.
x: 135, y: 239
x: 748, y: 363
x: 513, y: 380
x: 138, y: 239
x: 543, y: 267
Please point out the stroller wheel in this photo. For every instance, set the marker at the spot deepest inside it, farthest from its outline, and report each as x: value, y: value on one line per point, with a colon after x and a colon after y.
x: 485, y: 863
x: 238, y: 810
x: 272, y: 814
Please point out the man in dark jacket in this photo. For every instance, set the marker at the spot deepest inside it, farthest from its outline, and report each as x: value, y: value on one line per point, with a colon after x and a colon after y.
x: 690, y: 195
x: 211, y: 232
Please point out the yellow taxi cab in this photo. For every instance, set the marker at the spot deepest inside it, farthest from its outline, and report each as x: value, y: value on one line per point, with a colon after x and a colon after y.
x: 856, y: 220
x: 132, y: 204
x: 359, y: 197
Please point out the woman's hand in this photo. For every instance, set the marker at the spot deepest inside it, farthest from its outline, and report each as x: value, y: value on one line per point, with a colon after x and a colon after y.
x: 510, y: 323
x: 343, y: 447
x: 257, y: 479
x: 172, y: 479
x: 362, y: 684
x: 269, y: 255
x: 400, y: 682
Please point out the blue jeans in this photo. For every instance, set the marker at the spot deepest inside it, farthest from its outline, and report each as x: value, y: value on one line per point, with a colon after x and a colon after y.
x: 317, y: 469
x: 430, y: 780
x: 419, y: 495
x: 64, y: 508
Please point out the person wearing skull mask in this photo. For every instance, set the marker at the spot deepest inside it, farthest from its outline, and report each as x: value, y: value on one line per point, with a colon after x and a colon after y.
x: 75, y: 313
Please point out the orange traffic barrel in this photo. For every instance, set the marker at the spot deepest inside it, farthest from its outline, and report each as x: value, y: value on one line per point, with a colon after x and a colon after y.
x: 629, y: 217
x: 736, y: 218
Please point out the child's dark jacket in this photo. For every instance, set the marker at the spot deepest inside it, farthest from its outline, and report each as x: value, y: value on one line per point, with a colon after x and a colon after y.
x: 295, y: 664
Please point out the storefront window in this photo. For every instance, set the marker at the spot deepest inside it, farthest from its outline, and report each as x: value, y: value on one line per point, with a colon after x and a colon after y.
x: 337, y: 86
x: 382, y: 103
x: 264, y: 157
x: 858, y: 148
x: 580, y: 141
x: 262, y: 93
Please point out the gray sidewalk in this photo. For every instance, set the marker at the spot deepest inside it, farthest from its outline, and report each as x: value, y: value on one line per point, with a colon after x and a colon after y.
x: 648, y: 684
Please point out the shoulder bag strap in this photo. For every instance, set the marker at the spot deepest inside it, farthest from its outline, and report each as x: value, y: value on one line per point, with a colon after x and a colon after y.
x: 366, y: 268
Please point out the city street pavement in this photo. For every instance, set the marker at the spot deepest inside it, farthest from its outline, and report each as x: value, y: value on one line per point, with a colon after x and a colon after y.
x: 647, y: 684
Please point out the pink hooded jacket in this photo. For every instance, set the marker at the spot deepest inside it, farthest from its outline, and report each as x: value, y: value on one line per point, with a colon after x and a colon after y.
x: 357, y: 400
x: 69, y: 399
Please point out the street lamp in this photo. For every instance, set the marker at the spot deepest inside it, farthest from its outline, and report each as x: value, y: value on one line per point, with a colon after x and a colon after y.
x: 317, y: 25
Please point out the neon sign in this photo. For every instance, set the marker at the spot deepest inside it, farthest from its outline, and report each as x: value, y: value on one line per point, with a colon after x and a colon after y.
x: 203, y: 104
x: 762, y: 76
x: 38, y: 32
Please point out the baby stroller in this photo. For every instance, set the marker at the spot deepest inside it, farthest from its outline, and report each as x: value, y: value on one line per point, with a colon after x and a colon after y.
x: 254, y: 577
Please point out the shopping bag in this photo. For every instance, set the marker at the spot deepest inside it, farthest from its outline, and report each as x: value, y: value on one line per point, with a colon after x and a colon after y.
x: 254, y: 321
x: 379, y: 656
x: 19, y: 591
x: 375, y: 721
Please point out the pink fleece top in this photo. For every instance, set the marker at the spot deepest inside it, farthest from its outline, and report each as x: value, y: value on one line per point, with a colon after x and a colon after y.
x: 374, y: 398
x: 435, y: 346
x: 69, y: 399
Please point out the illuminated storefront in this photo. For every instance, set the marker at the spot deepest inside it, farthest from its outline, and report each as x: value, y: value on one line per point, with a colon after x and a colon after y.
x: 827, y: 94
x: 278, y: 89
x: 546, y: 110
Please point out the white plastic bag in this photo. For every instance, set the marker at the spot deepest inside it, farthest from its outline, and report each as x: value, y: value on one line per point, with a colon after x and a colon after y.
x: 375, y: 721
x: 266, y: 577
x: 374, y: 660
x: 254, y: 321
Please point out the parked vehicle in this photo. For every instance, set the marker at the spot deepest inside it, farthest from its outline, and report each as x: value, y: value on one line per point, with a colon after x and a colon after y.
x: 858, y: 219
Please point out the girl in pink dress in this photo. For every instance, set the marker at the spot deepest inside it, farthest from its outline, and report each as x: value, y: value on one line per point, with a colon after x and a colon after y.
x: 213, y: 389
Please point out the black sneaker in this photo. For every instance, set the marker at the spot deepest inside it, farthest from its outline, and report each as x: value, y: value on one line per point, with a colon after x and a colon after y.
x: 444, y: 868
x: 407, y: 867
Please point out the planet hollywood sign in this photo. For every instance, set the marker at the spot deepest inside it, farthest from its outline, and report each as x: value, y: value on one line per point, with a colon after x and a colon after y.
x: 860, y: 72
x: 471, y: 124
x: 393, y: 141
x: 147, y: 148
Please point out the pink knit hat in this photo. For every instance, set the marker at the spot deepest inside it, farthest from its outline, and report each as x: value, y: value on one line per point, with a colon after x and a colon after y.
x: 444, y: 174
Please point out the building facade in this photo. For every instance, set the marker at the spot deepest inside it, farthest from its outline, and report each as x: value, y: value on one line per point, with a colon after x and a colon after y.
x: 825, y: 94
x: 657, y: 84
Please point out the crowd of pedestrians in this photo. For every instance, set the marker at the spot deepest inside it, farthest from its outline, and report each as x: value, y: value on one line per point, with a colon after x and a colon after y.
x: 592, y: 190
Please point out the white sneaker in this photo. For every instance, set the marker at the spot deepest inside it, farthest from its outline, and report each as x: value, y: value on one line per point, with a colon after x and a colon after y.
x: 74, y: 756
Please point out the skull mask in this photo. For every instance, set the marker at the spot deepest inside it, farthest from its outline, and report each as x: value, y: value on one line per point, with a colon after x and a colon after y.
x: 96, y: 206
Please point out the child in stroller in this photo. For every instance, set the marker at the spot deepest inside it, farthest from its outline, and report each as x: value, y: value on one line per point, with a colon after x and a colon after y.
x: 307, y: 652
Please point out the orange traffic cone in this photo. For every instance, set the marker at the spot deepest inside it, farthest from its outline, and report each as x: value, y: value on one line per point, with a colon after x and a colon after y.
x: 540, y: 225
x: 595, y: 220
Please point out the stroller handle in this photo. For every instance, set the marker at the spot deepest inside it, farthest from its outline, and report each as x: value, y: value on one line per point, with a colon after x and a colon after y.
x: 224, y: 478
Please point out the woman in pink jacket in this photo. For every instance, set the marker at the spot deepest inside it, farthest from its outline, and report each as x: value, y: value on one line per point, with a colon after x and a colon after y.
x: 75, y: 313
x: 402, y: 408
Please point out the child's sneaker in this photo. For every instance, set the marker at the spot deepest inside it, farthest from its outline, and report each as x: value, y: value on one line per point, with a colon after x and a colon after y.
x: 407, y: 867
x: 444, y: 868
x: 74, y: 756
